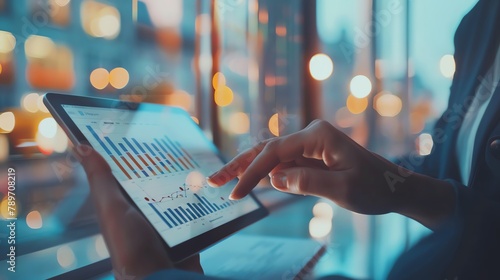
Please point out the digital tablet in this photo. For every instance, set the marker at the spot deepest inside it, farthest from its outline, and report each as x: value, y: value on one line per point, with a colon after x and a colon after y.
x: 161, y: 158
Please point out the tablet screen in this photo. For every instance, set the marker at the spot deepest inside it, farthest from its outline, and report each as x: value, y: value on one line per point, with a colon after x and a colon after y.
x: 161, y: 158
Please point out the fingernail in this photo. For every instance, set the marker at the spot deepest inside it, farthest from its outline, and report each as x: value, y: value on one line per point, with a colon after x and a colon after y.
x: 232, y: 197
x: 279, y: 180
x: 210, y: 182
x: 212, y: 175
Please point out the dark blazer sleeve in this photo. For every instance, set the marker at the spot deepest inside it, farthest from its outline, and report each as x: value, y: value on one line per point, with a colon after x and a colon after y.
x: 468, y: 245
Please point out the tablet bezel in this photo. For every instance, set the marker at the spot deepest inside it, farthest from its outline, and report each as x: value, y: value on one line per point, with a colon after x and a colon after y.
x: 177, y: 253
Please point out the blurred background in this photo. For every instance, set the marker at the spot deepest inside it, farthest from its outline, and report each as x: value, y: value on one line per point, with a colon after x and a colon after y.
x: 246, y: 70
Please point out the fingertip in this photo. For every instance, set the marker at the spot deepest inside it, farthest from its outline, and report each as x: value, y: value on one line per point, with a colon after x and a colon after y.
x: 211, y: 183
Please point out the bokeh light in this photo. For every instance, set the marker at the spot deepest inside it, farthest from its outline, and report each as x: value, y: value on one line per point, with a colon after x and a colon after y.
x: 48, y: 128
x: 388, y: 104
x: 30, y: 102
x: 5, y: 211
x: 99, y: 78
x: 360, y: 86
x: 7, y: 122
x: 223, y: 96
x: 219, y: 80
x: 239, y: 123
x: 425, y: 144
x: 179, y: 98
x: 119, y: 77
x: 100, y: 247
x: 319, y: 227
x: 38, y: 46
x: 7, y: 42
x: 65, y: 256
x: 1, y: 68
x: 323, y: 210
x: 34, y: 220
x: 281, y: 30
x: 4, y: 148
x: 109, y: 23
x: 62, y: 3
x: 345, y: 118
x: 60, y: 141
x: 356, y: 105
x: 447, y: 66
x: 40, y: 106
x: 195, y: 178
x: 273, y: 125
x: 321, y: 66
x: 100, y: 20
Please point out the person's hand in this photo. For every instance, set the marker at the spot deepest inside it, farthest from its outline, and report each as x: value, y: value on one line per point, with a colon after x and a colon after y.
x: 135, y: 248
x: 321, y: 160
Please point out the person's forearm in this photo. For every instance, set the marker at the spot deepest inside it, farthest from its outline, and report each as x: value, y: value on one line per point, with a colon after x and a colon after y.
x: 427, y: 200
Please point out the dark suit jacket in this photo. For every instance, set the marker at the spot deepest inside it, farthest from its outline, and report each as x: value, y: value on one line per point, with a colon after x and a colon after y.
x: 468, y: 246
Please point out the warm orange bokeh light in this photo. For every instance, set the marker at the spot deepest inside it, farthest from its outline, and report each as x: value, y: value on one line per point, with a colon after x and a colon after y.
x: 99, y: 78
x: 218, y: 80
x: 274, y: 125
x: 223, y: 96
x: 356, y: 105
x: 119, y: 77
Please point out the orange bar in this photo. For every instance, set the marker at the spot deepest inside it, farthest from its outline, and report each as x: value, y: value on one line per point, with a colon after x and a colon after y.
x: 182, y: 162
x: 173, y: 160
x: 188, y: 162
x: 130, y: 166
x: 154, y: 163
x: 121, y: 167
x: 133, y: 159
x: 164, y: 166
x: 147, y: 165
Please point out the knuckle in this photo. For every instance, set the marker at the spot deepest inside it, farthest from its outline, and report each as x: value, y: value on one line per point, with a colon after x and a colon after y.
x: 302, y: 181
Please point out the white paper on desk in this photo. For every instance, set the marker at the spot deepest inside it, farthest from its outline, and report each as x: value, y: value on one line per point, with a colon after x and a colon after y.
x: 260, y: 257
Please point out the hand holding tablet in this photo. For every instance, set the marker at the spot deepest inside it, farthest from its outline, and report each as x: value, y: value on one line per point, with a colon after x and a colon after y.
x: 160, y: 158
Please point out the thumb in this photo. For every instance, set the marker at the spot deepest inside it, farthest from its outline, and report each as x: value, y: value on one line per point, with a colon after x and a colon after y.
x: 303, y: 180
x: 104, y: 188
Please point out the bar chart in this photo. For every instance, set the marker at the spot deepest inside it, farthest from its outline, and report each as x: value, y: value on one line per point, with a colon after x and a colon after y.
x: 173, y: 217
x: 142, y: 159
x: 161, y: 159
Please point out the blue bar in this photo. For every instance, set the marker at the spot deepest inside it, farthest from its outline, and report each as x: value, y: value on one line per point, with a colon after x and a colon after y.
x: 180, y: 215
x: 161, y: 146
x: 138, y: 145
x: 203, y: 209
x: 172, y: 152
x: 194, y: 210
x: 130, y: 145
x: 123, y: 147
x: 216, y: 207
x: 203, y: 202
x: 112, y: 145
x: 162, y: 155
x: 209, y: 204
x: 175, y: 216
x: 161, y: 216
x: 186, y: 214
x: 168, y: 146
x: 149, y: 149
x: 170, y: 218
x: 172, y: 143
x: 98, y: 139
x: 191, y: 213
